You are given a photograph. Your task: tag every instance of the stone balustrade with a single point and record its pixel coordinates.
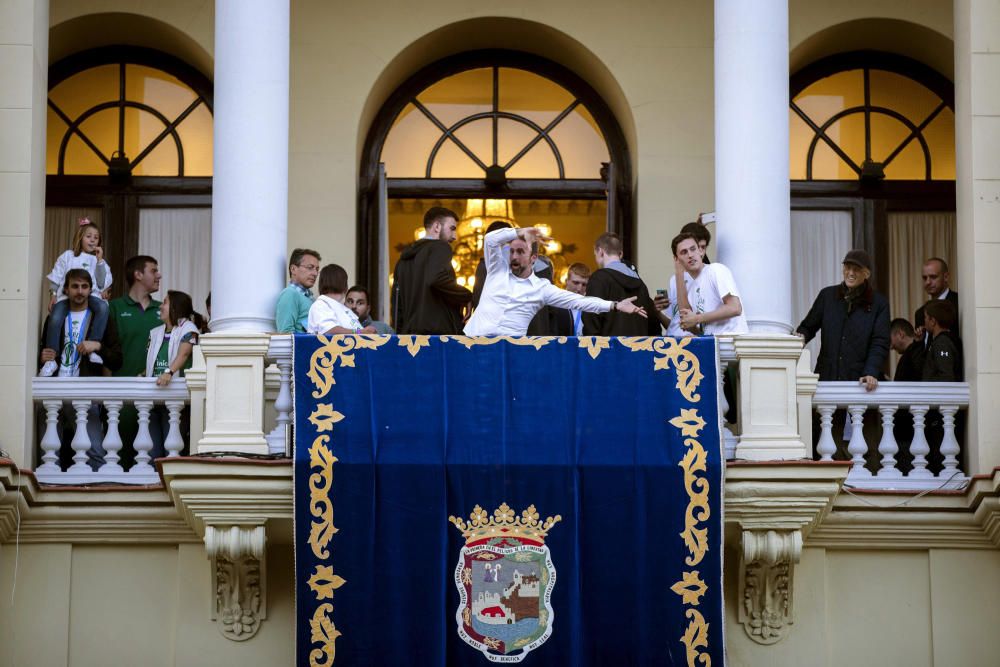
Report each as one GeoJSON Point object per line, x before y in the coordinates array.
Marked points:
{"type": "Point", "coordinates": [79, 399]}
{"type": "Point", "coordinates": [901, 406]}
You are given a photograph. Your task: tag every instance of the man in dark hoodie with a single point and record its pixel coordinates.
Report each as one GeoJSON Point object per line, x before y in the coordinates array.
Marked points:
{"type": "Point", "coordinates": [943, 361]}
{"type": "Point", "coordinates": [426, 299]}
{"type": "Point", "coordinates": [615, 281]}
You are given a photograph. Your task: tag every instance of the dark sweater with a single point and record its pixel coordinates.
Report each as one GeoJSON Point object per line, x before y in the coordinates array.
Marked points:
{"type": "Point", "coordinates": [614, 286]}
{"type": "Point", "coordinates": [425, 297]}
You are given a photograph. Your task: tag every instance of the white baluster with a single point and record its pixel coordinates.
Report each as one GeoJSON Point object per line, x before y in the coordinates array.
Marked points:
{"type": "Point", "coordinates": [112, 439]}
{"type": "Point", "coordinates": [949, 444]}
{"type": "Point", "coordinates": [50, 441]}
{"type": "Point", "coordinates": [174, 442]}
{"type": "Point", "coordinates": [143, 440]}
{"type": "Point", "coordinates": [888, 447]}
{"type": "Point", "coordinates": [857, 447]}
{"type": "Point", "coordinates": [919, 447]}
{"type": "Point", "coordinates": [826, 447]}
{"type": "Point", "coordinates": [277, 439]}
{"type": "Point", "coordinates": [81, 439]}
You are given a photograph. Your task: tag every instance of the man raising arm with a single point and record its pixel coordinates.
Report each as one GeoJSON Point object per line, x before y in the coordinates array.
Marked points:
{"type": "Point", "coordinates": [512, 294]}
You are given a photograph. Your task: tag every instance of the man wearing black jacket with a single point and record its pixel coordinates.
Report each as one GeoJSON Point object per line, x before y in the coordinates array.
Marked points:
{"type": "Point", "coordinates": [616, 281]}
{"type": "Point", "coordinates": [426, 299]}
{"type": "Point", "coordinates": [936, 280]}
{"type": "Point", "coordinates": [943, 361]}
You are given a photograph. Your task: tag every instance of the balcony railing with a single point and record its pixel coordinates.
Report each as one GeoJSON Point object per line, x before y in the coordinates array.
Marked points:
{"type": "Point", "coordinates": [83, 397]}
{"type": "Point", "coordinates": [895, 402]}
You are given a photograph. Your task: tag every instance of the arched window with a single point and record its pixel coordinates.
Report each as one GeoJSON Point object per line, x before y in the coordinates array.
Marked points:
{"type": "Point", "coordinates": [871, 116]}
{"type": "Point", "coordinates": [495, 125]}
{"type": "Point", "coordinates": [122, 111]}
{"type": "Point", "coordinates": [872, 162]}
{"type": "Point", "coordinates": [129, 145]}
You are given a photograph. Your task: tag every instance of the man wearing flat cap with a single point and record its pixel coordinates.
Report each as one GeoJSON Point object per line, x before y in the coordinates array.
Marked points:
{"type": "Point", "coordinates": [854, 320]}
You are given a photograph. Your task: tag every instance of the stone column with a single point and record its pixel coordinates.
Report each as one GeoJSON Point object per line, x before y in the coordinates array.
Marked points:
{"type": "Point", "coordinates": [249, 217]}
{"type": "Point", "coordinates": [977, 176]}
{"type": "Point", "coordinates": [250, 185]}
{"type": "Point", "coordinates": [751, 157]}
{"type": "Point", "coordinates": [24, 61]}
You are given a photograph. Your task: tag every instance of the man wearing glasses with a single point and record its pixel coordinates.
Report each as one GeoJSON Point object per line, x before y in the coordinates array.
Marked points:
{"type": "Point", "coordinates": [292, 312]}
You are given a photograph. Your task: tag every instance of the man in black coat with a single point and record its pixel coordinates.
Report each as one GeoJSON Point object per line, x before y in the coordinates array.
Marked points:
{"type": "Point", "coordinates": [936, 280]}
{"type": "Point", "coordinates": [854, 320]}
{"type": "Point", "coordinates": [616, 281]}
{"type": "Point", "coordinates": [426, 299]}
{"type": "Point", "coordinates": [943, 361]}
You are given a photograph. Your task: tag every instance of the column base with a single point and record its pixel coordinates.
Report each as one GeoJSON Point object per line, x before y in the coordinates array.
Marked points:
{"type": "Point", "coordinates": [771, 449]}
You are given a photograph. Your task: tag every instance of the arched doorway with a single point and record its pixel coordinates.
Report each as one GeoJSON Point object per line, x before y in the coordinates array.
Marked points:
{"type": "Point", "coordinates": [498, 130]}
{"type": "Point", "coordinates": [872, 166]}
{"type": "Point", "coordinates": [130, 146]}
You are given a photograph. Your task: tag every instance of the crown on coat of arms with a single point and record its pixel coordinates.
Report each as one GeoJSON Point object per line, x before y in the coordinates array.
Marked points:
{"type": "Point", "coordinates": [504, 523]}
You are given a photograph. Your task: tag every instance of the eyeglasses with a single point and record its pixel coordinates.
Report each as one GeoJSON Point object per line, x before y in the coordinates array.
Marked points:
{"type": "Point", "coordinates": [308, 267]}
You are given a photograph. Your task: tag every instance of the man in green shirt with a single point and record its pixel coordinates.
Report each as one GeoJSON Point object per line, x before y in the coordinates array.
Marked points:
{"type": "Point", "coordinates": [292, 311]}
{"type": "Point", "coordinates": [137, 313]}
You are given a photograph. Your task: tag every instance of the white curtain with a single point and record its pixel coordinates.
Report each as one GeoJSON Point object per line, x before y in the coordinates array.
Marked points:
{"type": "Point", "coordinates": [820, 239]}
{"type": "Point", "coordinates": [913, 238]}
{"type": "Point", "coordinates": [181, 241]}
{"type": "Point", "coordinates": [60, 226]}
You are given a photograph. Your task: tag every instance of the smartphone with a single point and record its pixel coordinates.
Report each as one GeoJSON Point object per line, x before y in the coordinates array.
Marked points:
{"type": "Point", "coordinates": [661, 292]}
{"type": "Point", "coordinates": [708, 218]}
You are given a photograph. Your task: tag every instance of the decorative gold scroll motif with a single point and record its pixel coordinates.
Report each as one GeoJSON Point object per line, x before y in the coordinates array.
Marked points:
{"type": "Point", "coordinates": [691, 587]}
{"type": "Point", "coordinates": [671, 351]}
{"type": "Point", "coordinates": [414, 343]}
{"type": "Point", "coordinates": [537, 342]}
{"type": "Point", "coordinates": [336, 349]}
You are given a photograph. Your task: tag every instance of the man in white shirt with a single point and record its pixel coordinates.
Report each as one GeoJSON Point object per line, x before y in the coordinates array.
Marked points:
{"type": "Point", "coordinates": [710, 303]}
{"type": "Point", "coordinates": [328, 314]}
{"type": "Point", "coordinates": [512, 293]}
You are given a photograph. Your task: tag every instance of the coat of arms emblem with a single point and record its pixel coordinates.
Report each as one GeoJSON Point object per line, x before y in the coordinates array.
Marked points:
{"type": "Point", "coordinates": [505, 579]}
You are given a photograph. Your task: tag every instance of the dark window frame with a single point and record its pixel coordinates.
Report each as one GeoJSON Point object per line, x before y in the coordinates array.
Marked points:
{"type": "Point", "coordinates": [122, 197]}
{"type": "Point", "coordinates": [492, 185]}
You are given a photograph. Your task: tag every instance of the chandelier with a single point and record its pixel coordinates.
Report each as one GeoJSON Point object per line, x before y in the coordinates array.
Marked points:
{"type": "Point", "coordinates": [467, 249]}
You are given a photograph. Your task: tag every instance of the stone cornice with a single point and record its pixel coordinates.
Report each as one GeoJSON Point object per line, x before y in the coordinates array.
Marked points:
{"type": "Point", "coordinates": [36, 513]}
{"type": "Point", "coordinates": [787, 495]}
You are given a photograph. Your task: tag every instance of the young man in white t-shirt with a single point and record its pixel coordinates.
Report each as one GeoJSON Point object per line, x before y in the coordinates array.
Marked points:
{"type": "Point", "coordinates": [328, 314]}
{"type": "Point", "coordinates": [710, 303]}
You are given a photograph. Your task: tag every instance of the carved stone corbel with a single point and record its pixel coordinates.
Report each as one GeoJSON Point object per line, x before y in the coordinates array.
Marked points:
{"type": "Point", "coordinates": [238, 578]}
{"type": "Point", "coordinates": [766, 577]}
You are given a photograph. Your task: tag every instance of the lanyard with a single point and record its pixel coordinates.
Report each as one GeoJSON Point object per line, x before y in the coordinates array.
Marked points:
{"type": "Point", "coordinates": [70, 354]}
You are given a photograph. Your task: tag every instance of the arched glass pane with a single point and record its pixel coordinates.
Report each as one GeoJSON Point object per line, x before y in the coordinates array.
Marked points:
{"type": "Point", "coordinates": [157, 89]}
{"type": "Point", "coordinates": [532, 96]}
{"type": "Point", "coordinates": [908, 165]}
{"type": "Point", "coordinates": [902, 94]}
{"type": "Point", "coordinates": [455, 97]}
{"type": "Point", "coordinates": [81, 160]}
{"type": "Point", "coordinates": [526, 105]}
{"type": "Point", "coordinates": [539, 162]}
{"type": "Point", "coordinates": [940, 137]}
{"type": "Point", "coordinates": [581, 145]}
{"type": "Point", "coordinates": [196, 138]}
{"type": "Point", "coordinates": [888, 91]}
{"type": "Point", "coordinates": [86, 89]}
{"type": "Point", "coordinates": [169, 96]}
{"type": "Point", "coordinates": [451, 162]}
{"type": "Point", "coordinates": [887, 134]}
{"type": "Point", "coordinates": [141, 128]}
{"type": "Point", "coordinates": [826, 97]}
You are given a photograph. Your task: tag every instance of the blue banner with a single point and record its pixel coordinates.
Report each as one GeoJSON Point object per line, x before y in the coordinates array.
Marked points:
{"type": "Point", "coordinates": [551, 501]}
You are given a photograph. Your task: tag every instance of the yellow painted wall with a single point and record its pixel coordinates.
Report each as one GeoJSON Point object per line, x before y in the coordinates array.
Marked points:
{"type": "Point", "coordinates": [149, 605]}
{"type": "Point", "coordinates": [101, 605]}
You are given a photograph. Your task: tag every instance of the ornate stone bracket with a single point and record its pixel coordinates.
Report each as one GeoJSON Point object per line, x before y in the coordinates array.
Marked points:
{"type": "Point", "coordinates": [238, 579]}
{"type": "Point", "coordinates": [237, 505]}
{"type": "Point", "coordinates": [766, 576]}
{"type": "Point", "coordinates": [774, 506]}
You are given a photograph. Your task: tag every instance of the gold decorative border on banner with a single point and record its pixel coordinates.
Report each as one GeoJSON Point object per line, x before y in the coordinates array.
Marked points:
{"type": "Point", "coordinates": [691, 587]}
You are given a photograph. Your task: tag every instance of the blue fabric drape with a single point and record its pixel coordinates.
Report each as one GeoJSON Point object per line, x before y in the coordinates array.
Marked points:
{"type": "Point", "coordinates": [618, 437]}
